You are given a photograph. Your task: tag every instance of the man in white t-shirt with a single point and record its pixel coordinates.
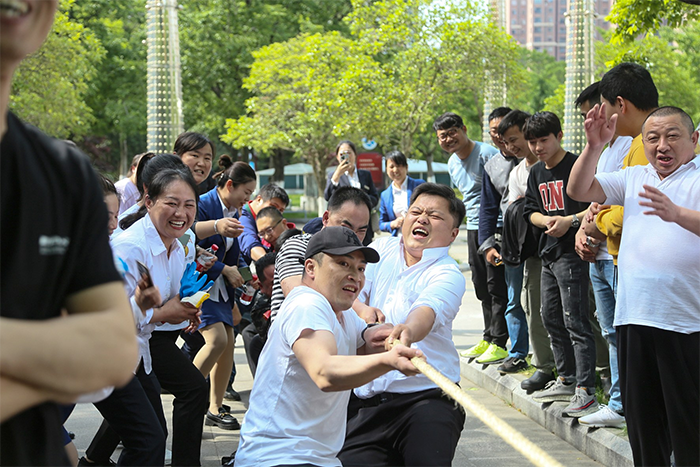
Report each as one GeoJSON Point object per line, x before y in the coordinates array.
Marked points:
{"type": "Point", "coordinates": [298, 404]}
{"type": "Point", "coordinates": [395, 420]}
{"type": "Point", "coordinates": [658, 300]}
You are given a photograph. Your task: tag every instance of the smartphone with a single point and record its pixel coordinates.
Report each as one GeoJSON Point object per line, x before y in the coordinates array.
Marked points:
{"type": "Point", "coordinates": [246, 274]}
{"type": "Point", "coordinates": [344, 156]}
{"type": "Point", "coordinates": [143, 271]}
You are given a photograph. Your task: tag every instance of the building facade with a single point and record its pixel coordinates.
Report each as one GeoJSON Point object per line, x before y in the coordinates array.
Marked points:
{"type": "Point", "coordinates": [541, 24]}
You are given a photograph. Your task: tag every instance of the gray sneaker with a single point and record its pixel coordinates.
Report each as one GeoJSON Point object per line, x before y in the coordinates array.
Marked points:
{"type": "Point", "coordinates": [557, 390]}
{"type": "Point", "coordinates": [581, 404]}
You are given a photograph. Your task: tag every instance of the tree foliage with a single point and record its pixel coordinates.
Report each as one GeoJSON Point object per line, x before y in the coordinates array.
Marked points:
{"type": "Point", "coordinates": [50, 86]}
{"type": "Point", "coordinates": [637, 17]}
{"type": "Point", "coordinates": [404, 63]}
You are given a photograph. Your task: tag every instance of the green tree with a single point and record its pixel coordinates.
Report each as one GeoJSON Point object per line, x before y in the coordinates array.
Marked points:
{"type": "Point", "coordinates": [50, 85]}
{"type": "Point", "coordinates": [544, 76]}
{"type": "Point", "coordinates": [637, 17]}
{"type": "Point", "coordinates": [117, 91]}
{"type": "Point", "coordinates": [217, 40]}
{"type": "Point", "coordinates": [305, 92]}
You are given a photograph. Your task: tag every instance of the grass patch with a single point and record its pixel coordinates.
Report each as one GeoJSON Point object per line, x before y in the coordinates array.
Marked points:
{"type": "Point", "coordinates": [301, 215]}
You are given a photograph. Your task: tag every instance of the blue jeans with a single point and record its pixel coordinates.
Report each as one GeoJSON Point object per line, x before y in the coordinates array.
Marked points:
{"type": "Point", "coordinates": [604, 281]}
{"type": "Point", "coordinates": [515, 316]}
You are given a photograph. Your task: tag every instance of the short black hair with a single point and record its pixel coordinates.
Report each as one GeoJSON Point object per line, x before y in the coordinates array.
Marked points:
{"type": "Point", "coordinates": [348, 193]}
{"type": "Point", "coordinates": [286, 235]}
{"type": "Point", "coordinates": [591, 95]}
{"type": "Point", "coordinates": [263, 262]}
{"type": "Point", "coordinates": [271, 212]}
{"type": "Point", "coordinates": [397, 157]}
{"type": "Point", "coordinates": [499, 112]}
{"type": "Point", "coordinates": [191, 141]}
{"type": "Point", "coordinates": [667, 111]}
{"type": "Point", "coordinates": [271, 191]}
{"type": "Point", "coordinates": [448, 120]}
{"type": "Point", "coordinates": [632, 82]}
{"type": "Point", "coordinates": [513, 118]}
{"type": "Point", "coordinates": [541, 124]}
{"type": "Point", "coordinates": [456, 206]}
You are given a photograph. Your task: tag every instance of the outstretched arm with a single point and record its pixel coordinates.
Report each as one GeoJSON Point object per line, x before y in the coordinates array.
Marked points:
{"type": "Point", "coordinates": [583, 185]}
{"type": "Point", "coordinates": [317, 353]}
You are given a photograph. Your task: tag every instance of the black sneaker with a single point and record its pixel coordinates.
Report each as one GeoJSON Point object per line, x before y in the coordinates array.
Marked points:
{"type": "Point", "coordinates": [223, 420]}
{"type": "Point", "coordinates": [537, 381]}
{"type": "Point", "coordinates": [513, 365]}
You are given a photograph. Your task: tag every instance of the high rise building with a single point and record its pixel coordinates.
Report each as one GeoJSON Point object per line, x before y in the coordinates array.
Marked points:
{"type": "Point", "coordinates": [541, 24]}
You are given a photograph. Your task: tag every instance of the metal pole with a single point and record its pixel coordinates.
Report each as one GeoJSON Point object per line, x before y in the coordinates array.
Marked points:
{"type": "Point", "coordinates": [495, 93]}
{"type": "Point", "coordinates": [165, 120]}
{"type": "Point", "coordinates": [579, 69]}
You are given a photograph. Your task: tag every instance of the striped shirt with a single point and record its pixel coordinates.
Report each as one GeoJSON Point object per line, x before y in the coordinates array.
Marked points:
{"type": "Point", "coordinates": [287, 264]}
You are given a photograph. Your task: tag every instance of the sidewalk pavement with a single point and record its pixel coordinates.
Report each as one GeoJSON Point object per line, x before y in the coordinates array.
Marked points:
{"type": "Point", "coordinates": [477, 446]}
{"type": "Point", "coordinates": [608, 446]}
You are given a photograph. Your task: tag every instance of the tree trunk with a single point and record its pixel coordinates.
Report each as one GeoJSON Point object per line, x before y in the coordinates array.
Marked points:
{"type": "Point", "coordinates": [124, 162]}
{"type": "Point", "coordinates": [278, 159]}
{"type": "Point", "coordinates": [429, 163]}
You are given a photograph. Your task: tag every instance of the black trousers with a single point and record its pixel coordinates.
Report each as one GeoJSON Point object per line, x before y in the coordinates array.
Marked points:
{"type": "Point", "coordinates": [491, 290]}
{"type": "Point", "coordinates": [660, 386]}
{"type": "Point", "coordinates": [416, 429]}
{"type": "Point", "coordinates": [183, 380]}
{"type": "Point", "coordinates": [253, 344]}
{"type": "Point", "coordinates": [134, 414]}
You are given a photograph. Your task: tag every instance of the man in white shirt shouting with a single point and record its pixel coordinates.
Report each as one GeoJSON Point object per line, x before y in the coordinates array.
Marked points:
{"type": "Point", "coordinates": [419, 289]}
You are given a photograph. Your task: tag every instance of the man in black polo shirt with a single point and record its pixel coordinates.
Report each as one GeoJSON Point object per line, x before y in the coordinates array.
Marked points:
{"type": "Point", "coordinates": [55, 255]}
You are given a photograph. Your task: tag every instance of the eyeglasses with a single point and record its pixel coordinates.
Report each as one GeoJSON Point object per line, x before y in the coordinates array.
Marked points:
{"type": "Point", "coordinates": [269, 230]}
{"type": "Point", "coordinates": [451, 133]}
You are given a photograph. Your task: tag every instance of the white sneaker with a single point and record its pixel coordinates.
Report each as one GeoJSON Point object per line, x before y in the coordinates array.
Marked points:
{"type": "Point", "coordinates": [604, 417]}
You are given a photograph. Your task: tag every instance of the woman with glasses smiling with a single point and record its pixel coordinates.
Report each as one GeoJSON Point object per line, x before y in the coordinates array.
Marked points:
{"type": "Point", "coordinates": [220, 313]}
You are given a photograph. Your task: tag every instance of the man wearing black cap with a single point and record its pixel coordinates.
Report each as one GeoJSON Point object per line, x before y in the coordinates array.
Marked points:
{"type": "Point", "coordinates": [299, 399]}
{"type": "Point", "coordinates": [417, 286]}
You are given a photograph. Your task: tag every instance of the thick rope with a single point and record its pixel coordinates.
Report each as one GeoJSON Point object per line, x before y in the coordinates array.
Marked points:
{"type": "Point", "coordinates": [521, 444]}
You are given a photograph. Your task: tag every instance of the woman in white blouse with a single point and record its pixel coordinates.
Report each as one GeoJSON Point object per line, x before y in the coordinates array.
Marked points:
{"type": "Point", "coordinates": [135, 412]}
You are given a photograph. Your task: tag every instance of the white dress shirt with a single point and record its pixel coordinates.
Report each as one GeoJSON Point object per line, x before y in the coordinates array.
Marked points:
{"type": "Point", "coordinates": [142, 242]}
{"type": "Point", "coordinates": [396, 289]}
{"type": "Point", "coordinates": [400, 198]}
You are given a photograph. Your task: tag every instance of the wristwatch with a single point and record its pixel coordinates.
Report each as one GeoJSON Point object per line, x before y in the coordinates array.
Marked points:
{"type": "Point", "coordinates": [592, 243]}
{"type": "Point", "coordinates": [575, 223]}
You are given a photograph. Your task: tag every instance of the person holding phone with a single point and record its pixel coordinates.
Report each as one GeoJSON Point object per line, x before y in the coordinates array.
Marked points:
{"type": "Point", "coordinates": [394, 200]}
{"type": "Point", "coordinates": [347, 174]}
{"type": "Point", "coordinates": [220, 313]}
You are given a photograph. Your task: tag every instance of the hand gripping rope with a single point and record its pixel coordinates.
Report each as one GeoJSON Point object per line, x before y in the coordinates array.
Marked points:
{"type": "Point", "coordinates": [521, 444]}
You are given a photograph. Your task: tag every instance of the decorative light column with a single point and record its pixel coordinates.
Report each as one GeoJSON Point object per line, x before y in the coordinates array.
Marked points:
{"type": "Point", "coordinates": [495, 92]}
{"type": "Point", "coordinates": [165, 120]}
{"type": "Point", "coordinates": [580, 21]}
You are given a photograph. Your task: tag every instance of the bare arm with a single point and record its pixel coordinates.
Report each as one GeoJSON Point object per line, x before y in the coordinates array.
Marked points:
{"type": "Point", "coordinates": [92, 348]}
{"type": "Point", "coordinates": [289, 283]}
{"type": "Point", "coordinates": [257, 252]}
{"type": "Point", "coordinates": [418, 324]}
{"type": "Point", "coordinates": [226, 226]}
{"type": "Point", "coordinates": [369, 314]}
{"type": "Point", "coordinates": [583, 185]}
{"type": "Point", "coordinates": [18, 396]}
{"type": "Point", "coordinates": [317, 353]}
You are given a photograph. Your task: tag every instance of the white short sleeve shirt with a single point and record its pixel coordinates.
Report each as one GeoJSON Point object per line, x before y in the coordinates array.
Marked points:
{"type": "Point", "coordinates": [659, 261]}
{"type": "Point", "coordinates": [290, 420]}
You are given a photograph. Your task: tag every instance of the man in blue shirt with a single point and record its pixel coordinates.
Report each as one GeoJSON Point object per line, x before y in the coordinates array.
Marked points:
{"type": "Point", "coordinates": [466, 167]}
{"type": "Point", "coordinates": [252, 246]}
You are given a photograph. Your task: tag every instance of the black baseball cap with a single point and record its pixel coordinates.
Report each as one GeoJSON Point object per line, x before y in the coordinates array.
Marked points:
{"type": "Point", "coordinates": [339, 241]}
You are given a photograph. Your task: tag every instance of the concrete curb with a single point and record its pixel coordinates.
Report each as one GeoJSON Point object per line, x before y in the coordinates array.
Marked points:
{"type": "Point", "coordinates": [600, 444]}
